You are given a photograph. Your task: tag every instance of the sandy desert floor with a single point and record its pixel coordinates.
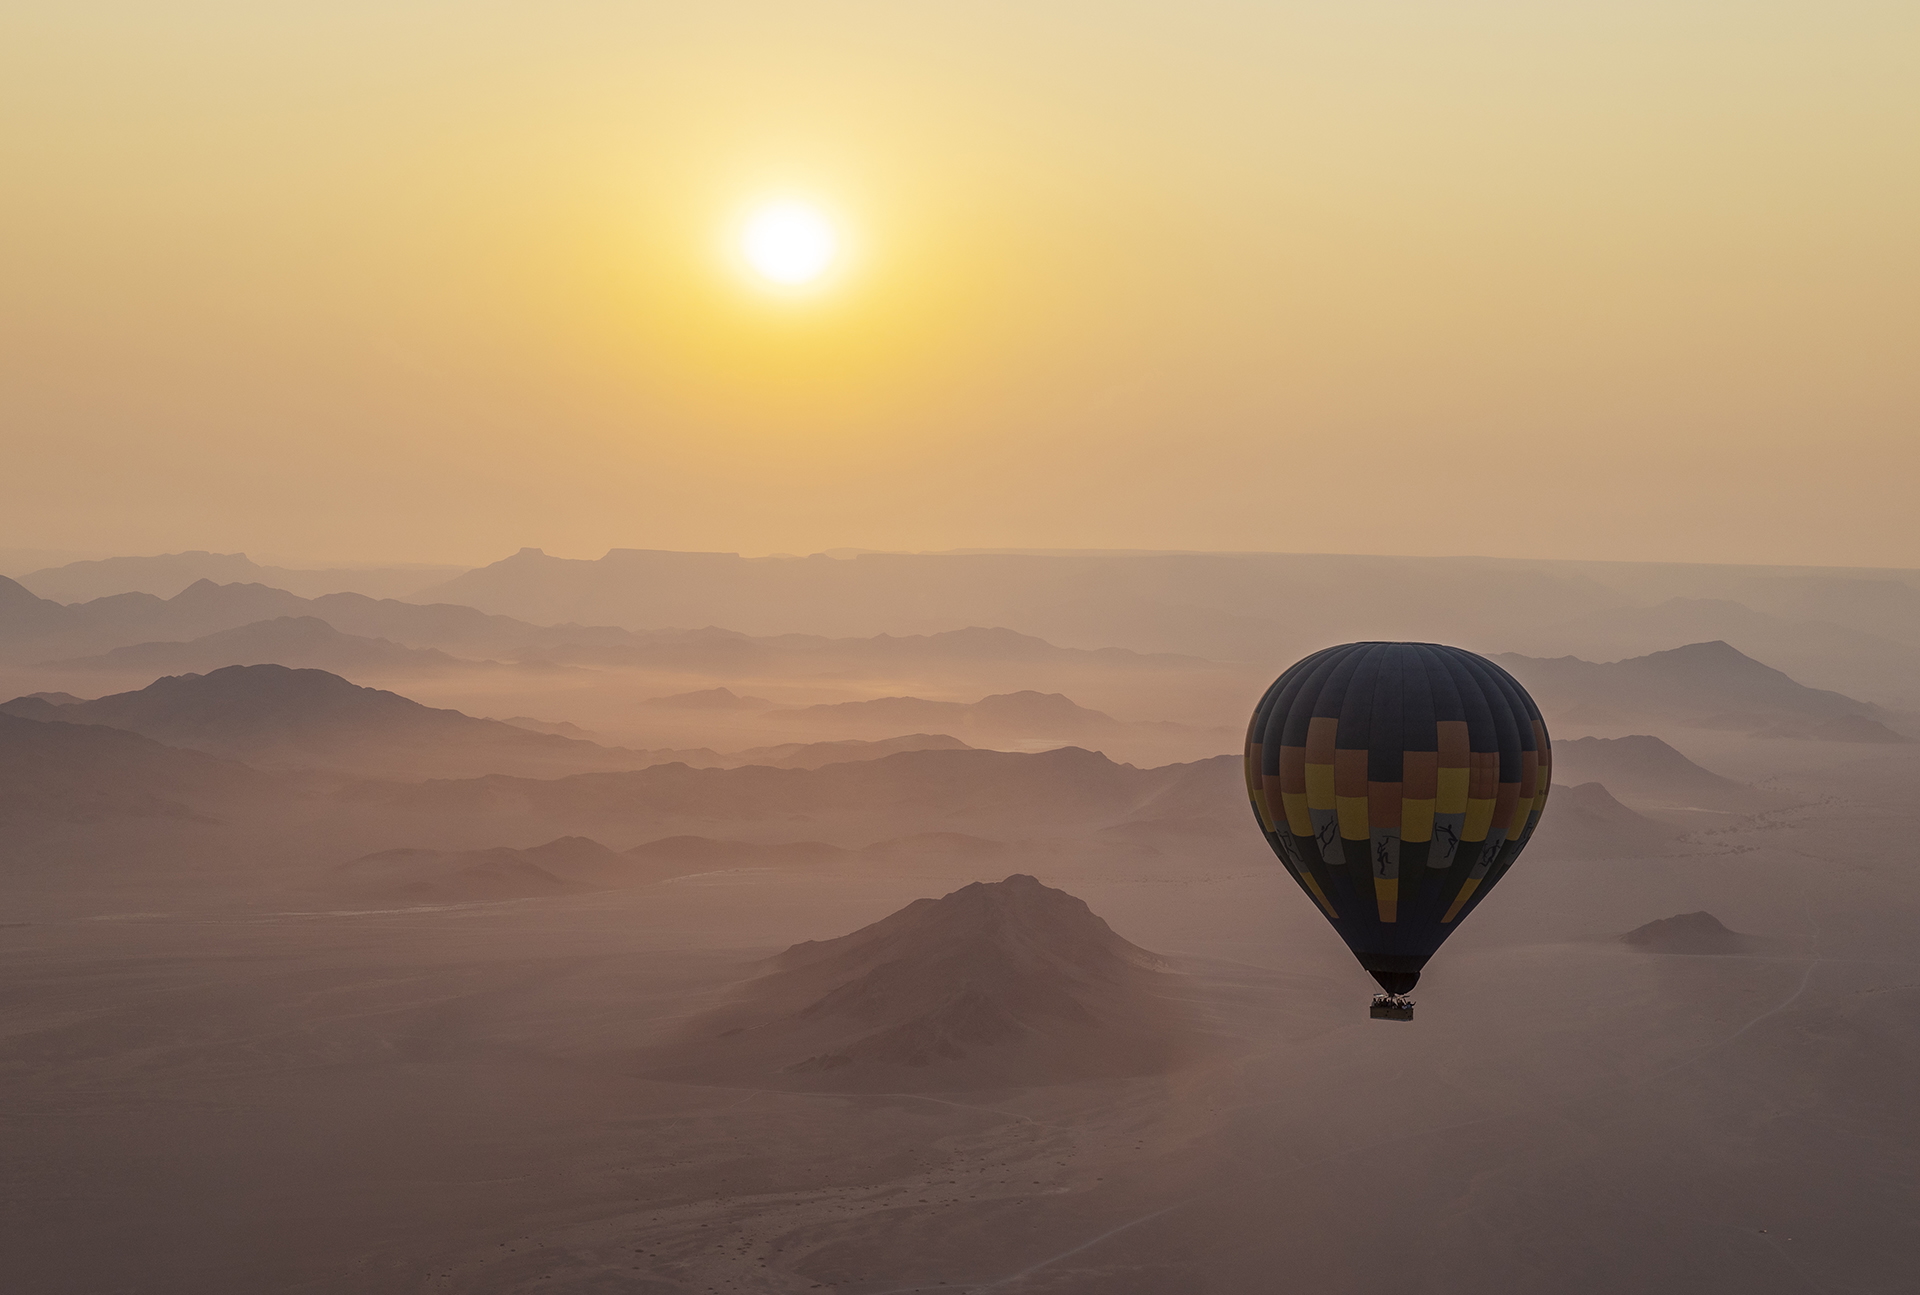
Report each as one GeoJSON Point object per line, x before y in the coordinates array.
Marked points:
{"type": "Point", "coordinates": [222, 1098]}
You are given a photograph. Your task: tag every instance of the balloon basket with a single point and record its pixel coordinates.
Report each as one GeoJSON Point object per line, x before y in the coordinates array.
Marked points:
{"type": "Point", "coordinates": [1391, 1007]}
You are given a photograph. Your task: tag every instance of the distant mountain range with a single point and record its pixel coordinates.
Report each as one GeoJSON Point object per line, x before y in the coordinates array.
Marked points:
{"type": "Point", "coordinates": [1001, 984]}
{"type": "Point", "coordinates": [574, 863]}
{"type": "Point", "coordinates": [713, 648]}
{"type": "Point", "coordinates": [88, 636]}
{"type": "Point", "coordinates": [37, 629]}
{"type": "Point", "coordinates": [707, 699]}
{"type": "Point", "coordinates": [993, 794]}
{"type": "Point", "coordinates": [1239, 607]}
{"type": "Point", "coordinates": [465, 876]}
{"type": "Point", "coordinates": [934, 808]}
{"type": "Point", "coordinates": [287, 719]}
{"type": "Point", "coordinates": [812, 755]}
{"type": "Point", "coordinates": [569, 863]}
{"type": "Point", "coordinates": [169, 573]}
{"type": "Point", "coordinates": [282, 718]}
{"type": "Point", "coordinates": [1020, 716]}
{"type": "Point", "coordinates": [297, 641]}
{"type": "Point", "coordinates": [1853, 631]}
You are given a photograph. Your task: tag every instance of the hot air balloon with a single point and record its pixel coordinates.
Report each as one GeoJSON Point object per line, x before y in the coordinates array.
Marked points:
{"type": "Point", "coordinates": [1397, 782]}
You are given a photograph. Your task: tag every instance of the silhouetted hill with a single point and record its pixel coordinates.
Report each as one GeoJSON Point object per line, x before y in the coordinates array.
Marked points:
{"type": "Point", "coordinates": [944, 853]}
{"type": "Point", "coordinates": [1871, 602]}
{"type": "Point", "coordinates": [996, 984]}
{"type": "Point", "coordinates": [53, 773]}
{"type": "Point", "coordinates": [1818, 652]}
{"type": "Point", "coordinates": [811, 755]}
{"type": "Point", "coordinates": [276, 717]}
{"type": "Point", "coordinates": [891, 713]}
{"type": "Point", "coordinates": [434, 876]}
{"type": "Point", "coordinates": [935, 847]}
{"type": "Point", "coordinates": [1694, 933]}
{"type": "Point", "coordinates": [429, 876]}
{"type": "Point", "coordinates": [25, 617]}
{"type": "Point", "coordinates": [1208, 794]}
{"type": "Point", "coordinates": [1025, 716]}
{"type": "Point", "coordinates": [708, 699]}
{"type": "Point", "coordinates": [1584, 821]}
{"type": "Point", "coordinates": [1145, 602]}
{"type": "Point", "coordinates": [37, 706]}
{"type": "Point", "coordinates": [878, 655]}
{"type": "Point", "coordinates": [1641, 767]}
{"type": "Point", "coordinates": [996, 794]}
{"type": "Point", "coordinates": [51, 699]}
{"type": "Point", "coordinates": [1845, 728]}
{"type": "Point", "coordinates": [1707, 685]}
{"type": "Point", "coordinates": [558, 727]}
{"type": "Point", "coordinates": [786, 755]}
{"type": "Point", "coordinates": [677, 856]}
{"type": "Point", "coordinates": [34, 629]}
{"type": "Point", "coordinates": [302, 642]}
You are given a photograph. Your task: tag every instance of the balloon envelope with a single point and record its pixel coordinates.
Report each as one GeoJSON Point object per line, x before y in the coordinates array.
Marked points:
{"type": "Point", "coordinates": [1397, 782]}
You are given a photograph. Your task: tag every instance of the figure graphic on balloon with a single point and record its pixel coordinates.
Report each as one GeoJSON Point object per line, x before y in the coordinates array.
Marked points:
{"type": "Point", "coordinates": [1397, 783]}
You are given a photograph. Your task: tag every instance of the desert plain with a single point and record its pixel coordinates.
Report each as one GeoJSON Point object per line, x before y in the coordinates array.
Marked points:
{"type": "Point", "coordinates": [219, 1080]}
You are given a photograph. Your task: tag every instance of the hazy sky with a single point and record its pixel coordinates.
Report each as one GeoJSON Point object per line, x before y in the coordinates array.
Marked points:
{"type": "Point", "coordinates": [431, 281]}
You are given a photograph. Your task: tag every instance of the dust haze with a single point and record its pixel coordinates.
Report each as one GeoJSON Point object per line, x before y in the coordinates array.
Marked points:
{"type": "Point", "coordinates": [887, 922]}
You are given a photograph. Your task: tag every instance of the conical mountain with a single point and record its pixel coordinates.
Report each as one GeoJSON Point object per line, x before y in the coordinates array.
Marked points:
{"type": "Point", "coordinates": [998, 984]}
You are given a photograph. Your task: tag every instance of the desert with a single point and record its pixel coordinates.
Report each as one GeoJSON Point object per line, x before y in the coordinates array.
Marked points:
{"type": "Point", "coordinates": [1014, 649]}
{"type": "Point", "coordinates": [315, 987]}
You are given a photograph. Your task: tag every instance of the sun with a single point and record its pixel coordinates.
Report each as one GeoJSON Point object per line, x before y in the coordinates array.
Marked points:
{"type": "Point", "coordinates": [789, 243]}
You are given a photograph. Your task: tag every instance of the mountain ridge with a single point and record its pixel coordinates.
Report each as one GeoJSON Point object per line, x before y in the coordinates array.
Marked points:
{"type": "Point", "coordinates": [273, 716]}
{"type": "Point", "coordinates": [1700, 685]}
{"type": "Point", "coordinates": [993, 794]}
{"type": "Point", "coordinates": [298, 642]}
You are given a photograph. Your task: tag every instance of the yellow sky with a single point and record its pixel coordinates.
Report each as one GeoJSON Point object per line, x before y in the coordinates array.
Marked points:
{"type": "Point", "coordinates": [359, 281]}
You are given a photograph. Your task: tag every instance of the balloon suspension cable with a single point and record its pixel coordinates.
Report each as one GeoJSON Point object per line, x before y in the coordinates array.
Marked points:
{"type": "Point", "coordinates": [1391, 1007]}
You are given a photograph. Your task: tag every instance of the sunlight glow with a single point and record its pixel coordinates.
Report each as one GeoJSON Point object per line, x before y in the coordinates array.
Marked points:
{"type": "Point", "coordinates": [789, 243]}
